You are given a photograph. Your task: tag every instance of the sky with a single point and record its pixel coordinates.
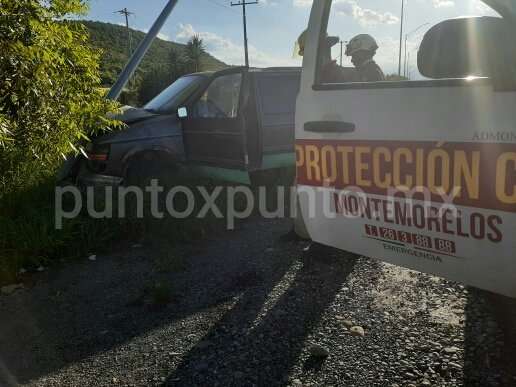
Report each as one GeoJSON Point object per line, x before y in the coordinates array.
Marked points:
{"type": "Point", "coordinates": [274, 25]}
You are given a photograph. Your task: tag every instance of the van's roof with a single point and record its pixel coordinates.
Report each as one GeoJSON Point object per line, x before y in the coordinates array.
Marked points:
{"type": "Point", "coordinates": [292, 70]}
{"type": "Point", "coordinates": [255, 70]}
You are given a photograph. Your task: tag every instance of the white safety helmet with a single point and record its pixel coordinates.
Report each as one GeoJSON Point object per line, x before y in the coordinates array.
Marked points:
{"type": "Point", "coordinates": [361, 42]}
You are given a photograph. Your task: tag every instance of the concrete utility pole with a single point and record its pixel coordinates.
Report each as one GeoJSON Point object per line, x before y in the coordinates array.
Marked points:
{"type": "Point", "coordinates": [243, 4]}
{"type": "Point", "coordinates": [135, 60]}
{"type": "Point", "coordinates": [408, 63]}
{"type": "Point", "coordinates": [127, 13]}
{"type": "Point", "coordinates": [401, 36]}
{"type": "Point", "coordinates": [341, 43]}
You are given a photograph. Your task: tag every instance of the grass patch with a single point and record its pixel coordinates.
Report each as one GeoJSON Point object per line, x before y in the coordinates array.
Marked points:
{"type": "Point", "coordinates": [32, 237]}
{"type": "Point", "coordinates": [170, 261]}
{"type": "Point", "coordinates": [29, 238]}
{"type": "Point", "coordinates": [159, 295]}
{"type": "Point", "coordinates": [155, 296]}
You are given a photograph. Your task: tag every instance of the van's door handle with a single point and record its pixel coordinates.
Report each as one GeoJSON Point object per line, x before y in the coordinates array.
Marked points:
{"type": "Point", "coordinates": [329, 127]}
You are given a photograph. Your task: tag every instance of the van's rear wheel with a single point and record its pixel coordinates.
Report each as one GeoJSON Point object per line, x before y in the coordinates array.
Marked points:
{"type": "Point", "coordinates": [144, 168]}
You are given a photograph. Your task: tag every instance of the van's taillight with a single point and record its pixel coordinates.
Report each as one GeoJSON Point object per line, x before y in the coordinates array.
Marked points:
{"type": "Point", "coordinates": [97, 152]}
{"type": "Point", "coordinates": [97, 157]}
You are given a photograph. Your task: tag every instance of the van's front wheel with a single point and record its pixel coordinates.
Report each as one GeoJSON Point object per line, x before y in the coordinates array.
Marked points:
{"type": "Point", "coordinates": [144, 168]}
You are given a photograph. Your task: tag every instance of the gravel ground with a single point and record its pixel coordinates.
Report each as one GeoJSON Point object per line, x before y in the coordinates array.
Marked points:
{"type": "Point", "coordinates": [250, 311]}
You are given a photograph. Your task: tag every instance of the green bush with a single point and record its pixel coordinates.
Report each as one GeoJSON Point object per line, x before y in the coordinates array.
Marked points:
{"type": "Point", "coordinates": [49, 100]}
{"type": "Point", "coordinates": [28, 237]}
{"type": "Point", "coordinates": [49, 94]}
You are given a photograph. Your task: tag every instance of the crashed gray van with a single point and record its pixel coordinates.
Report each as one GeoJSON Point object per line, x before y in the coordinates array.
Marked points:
{"type": "Point", "coordinates": [225, 125]}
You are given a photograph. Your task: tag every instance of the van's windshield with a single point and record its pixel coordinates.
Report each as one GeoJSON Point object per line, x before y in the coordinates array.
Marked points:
{"type": "Point", "coordinates": [176, 94]}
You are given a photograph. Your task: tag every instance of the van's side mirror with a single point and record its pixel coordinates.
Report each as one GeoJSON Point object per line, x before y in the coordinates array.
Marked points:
{"type": "Point", "coordinates": [182, 113]}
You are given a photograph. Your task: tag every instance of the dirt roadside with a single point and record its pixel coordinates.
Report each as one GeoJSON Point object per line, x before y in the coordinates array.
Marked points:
{"type": "Point", "coordinates": [247, 312]}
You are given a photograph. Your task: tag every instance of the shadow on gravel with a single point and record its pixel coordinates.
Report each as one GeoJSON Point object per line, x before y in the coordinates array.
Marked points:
{"type": "Point", "coordinates": [79, 312]}
{"type": "Point", "coordinates": [84, 309]}
{"type": "Point", "coordinates": [261, 338]}
{"type": "Point", "coordinates": [490, 340]}
{"type": "Point", "coordinates": [79, 318]}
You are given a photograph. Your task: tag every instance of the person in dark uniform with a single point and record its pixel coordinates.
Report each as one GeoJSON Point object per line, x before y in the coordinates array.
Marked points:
{"type": "Point", "coordinates": [362, 48]}
{"type": "Point", "coordinates": [332, 72]}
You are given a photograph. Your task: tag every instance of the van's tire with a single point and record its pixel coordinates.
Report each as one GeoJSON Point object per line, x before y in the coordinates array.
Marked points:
{"type": "Point", "coordinates": [256, 178]}
{"type": "Point", "coordinates": [271, 178]}
{"type": "Point", "coordinates": [151, 165]}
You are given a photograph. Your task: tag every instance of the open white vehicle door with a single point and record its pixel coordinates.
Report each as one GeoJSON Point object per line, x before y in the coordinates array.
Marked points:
{"type": "Point", "coordinates": [421, 174]}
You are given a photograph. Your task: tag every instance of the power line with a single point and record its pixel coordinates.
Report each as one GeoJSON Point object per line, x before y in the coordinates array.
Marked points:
{"type": "Point", "coordinates": [106, 18]}
{"type": "Point", "coordinates": [288, 14]}
{"type": "Point", "coordinates": [256, 20]}
{"type": "Point", "coordinates": [276, 16]}
{"type": "Point", "coordinates": [100, 16]}
{"type": "Point", "coordinates": [272, 27]}
{"type": "Point", "coordinates": [137, 22]}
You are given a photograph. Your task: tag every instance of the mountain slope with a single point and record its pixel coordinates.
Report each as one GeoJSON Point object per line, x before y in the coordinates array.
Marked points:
{"type": "Point", "coordinates": [113, 41]}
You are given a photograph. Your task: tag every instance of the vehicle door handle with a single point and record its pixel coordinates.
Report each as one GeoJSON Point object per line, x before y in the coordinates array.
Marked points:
{"type": "Point", "coordinates": [329, 127]}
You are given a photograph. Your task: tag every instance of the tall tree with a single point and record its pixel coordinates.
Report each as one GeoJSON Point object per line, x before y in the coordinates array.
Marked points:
{"type": "Point", "coordinates": [155, 80]}
{"type": "Point", "coordinates": [49, 78]}
{"type": "Point", "coordinates": [179, 62]}
{"type": "Point", "coordinates": [176, 63]}
{"type": "Point", "coordinates": [196, 54]}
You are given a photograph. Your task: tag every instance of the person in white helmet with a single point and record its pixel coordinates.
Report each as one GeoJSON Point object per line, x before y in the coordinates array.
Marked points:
{"type": "Point", "coordinates": [362, 48]}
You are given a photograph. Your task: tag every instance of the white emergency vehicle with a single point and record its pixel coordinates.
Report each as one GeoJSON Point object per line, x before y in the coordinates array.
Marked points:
{"type": "Point", "coordinates": [421, 174]}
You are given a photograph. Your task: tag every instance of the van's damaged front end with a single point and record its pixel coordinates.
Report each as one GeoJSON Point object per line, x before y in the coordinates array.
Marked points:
{"type": "Point", "coordinates": [106, 157]}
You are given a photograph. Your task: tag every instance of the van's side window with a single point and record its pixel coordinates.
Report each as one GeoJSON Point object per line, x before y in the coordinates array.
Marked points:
{"type": "Point", "coordinates": [278, 94]}
{"type": "Point", "coordinates": [220, 100]}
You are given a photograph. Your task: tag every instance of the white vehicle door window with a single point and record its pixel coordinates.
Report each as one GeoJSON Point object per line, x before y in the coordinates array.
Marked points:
{"type": "Point", "coordinates": [418, 173]}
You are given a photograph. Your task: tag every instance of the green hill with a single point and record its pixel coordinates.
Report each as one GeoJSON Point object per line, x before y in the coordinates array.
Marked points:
{"type": "Point", "coordinates": [112, 39]}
